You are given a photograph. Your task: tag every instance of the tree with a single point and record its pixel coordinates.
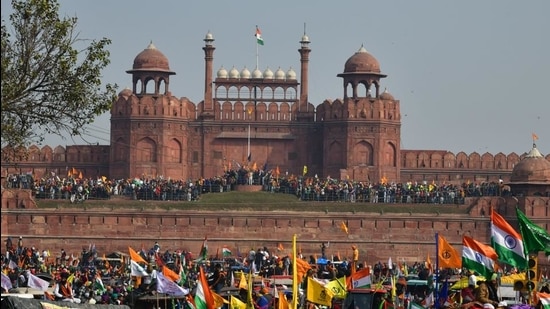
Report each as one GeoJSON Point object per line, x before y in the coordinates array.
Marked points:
{"type": "Point", "coordinates": [49, 86]}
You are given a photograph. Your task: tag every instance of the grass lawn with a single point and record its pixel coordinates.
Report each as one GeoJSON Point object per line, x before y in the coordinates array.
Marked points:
{"type": "Point", "coordinates": [259, 201]}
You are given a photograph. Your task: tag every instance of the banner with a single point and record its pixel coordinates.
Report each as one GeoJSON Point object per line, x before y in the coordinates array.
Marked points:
{"type": "Point", "coordinates": [316, 293]}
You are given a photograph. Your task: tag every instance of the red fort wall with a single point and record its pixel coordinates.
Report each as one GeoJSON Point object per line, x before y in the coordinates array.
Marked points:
{"type": "Point", "coordinates": [408, 237]}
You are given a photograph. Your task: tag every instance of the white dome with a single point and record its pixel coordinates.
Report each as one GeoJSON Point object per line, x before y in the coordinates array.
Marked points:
{"type": "Point", "coordinates": [222, 73]}
{"type": "Point", "coordinates": [305, 38]}
{"type": "Point", "coordinates": [290, 74]}
{"type": "Point", "coordinates": [257, 74]}
{"type": "Point", "coordinates": [209, 37]}
{"type": "Point", "coordinates": [279, 74]}
{"type": "Point", "coordinates": [268, 73]}
{"type": "Point", "coordinates": [245, 73]}
{"type": "Point", "coordinates": [234, 73]}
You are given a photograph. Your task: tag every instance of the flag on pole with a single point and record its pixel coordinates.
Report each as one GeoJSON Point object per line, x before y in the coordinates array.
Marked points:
{"type": "Point", "coordinates": [203, 296]}
{"type": "Point", "coordinates": [544, 299]}
{"type": "Point", "coordinates": [338, 287]}
{"type": "Point", "coordinates": [219, 301]}
{"type": "Point", "coordinates": [535, 136]}
{"type": "Point", "coordinates": [136, 257]}
{"type": "Point", "coordinates": [317, 293]}
{"type": "Point", "coordinates": [479, 257]}
{"type": "Point", "coordinates": [226, 251]}
{"type": "Point", "coordinates": [36, 282]}
{"type": "Point", "coordinates": [535, 238]}
{"type": "Point", "coordinates": [236, 303]}
{"type": "Point", "coordinates": [136, 270]}
{"type": "Point", "coordinates": [283, 302]}
{"type": "Point", "coordinates": [344, 227]}
{"type": "Point", "coordinates": [429, 265]}
{"type": "Point", "coordinates": [167, 286]}
{"type": "Point", "coordinates": [243, 283]}
{"type": "Point", "coordinates": [258, 36]}
{"type": "Point", "coordinates": [359, 279]}
{"type": "Point", "coordinates": [203, 255]}
{"type": "Point", "coordinates": [170, 274]}
{"type": "Point", "coordinates": [447, 254]}
{"type": "Point", "coordinates": [507, 243]}
{"type": "Point", "coordinates": [6, 282]}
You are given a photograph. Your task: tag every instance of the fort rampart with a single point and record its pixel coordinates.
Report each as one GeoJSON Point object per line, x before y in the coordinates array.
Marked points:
{"type": "Point", "coordinates": [407, 236]}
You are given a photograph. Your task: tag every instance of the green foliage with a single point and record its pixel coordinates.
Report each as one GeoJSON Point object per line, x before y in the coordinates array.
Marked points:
{"type": "Point", "coordinates": [48, 85]}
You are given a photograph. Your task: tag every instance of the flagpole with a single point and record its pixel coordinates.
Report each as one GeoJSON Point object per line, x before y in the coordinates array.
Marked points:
{"type": "Point", "coordinates": [295, 282]}
{"type": "Point", "coordinates": [436, 290]}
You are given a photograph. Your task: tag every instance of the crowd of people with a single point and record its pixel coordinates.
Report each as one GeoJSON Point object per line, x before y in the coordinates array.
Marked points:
{"type": "Point", "coordinates": [306, 188]}
{"type": "Point", "coordinates": [95, 278]}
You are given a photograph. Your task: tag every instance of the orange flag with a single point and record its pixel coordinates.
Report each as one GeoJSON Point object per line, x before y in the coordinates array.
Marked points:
{"type": "Point", "coordinates": [429, 264]}
{"type": "Point", "coordinates": [136, 257]}
{"type": "Point", "coordinates": [280, 247]}
{"type": "Point", "coordinates": [170, 274]}
{"type": "Point", "coordinates": [302, 267]}
{"type": "Point", "coordinates": [344, 227]}
{"type": "Point", "coordinates": [283, 302]}
{"type": "Point", "coordinates": [535, 137]}
{"type": "Point", "coordinates": [448, 256]}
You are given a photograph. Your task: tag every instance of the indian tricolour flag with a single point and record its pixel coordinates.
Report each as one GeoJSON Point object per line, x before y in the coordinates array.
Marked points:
{"type": "Point", "coordinates": [478, 256]}
{"type": "Point", "coordinates": [258, 36]}
{"type": "Point", "coordinates": [507, 243]}
{"type": "Point", "coordinates": [226, 251]}
{"type": "Point", "coordinates": [203, 296]}
{"type": "Point", "coordinates": [544, 299]}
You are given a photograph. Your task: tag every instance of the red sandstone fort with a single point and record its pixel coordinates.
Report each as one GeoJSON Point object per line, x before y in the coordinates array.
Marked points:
{"type": "Point", "coordinates": [265, 115]}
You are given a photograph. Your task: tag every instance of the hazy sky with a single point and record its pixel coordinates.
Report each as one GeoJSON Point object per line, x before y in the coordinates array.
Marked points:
{"type": "Point", "coordinates": [470, 75]}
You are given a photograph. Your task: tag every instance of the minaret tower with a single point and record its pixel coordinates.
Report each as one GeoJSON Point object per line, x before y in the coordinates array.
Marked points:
{"type": "Point", "coordinates": [305, 111]}
{"type": "Point", "coordinates": [208, 112]}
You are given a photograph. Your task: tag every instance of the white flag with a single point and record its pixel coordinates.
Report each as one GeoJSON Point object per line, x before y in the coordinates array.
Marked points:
{"type": "Point", "coordinates": [6, 282]}
{"type": "Point", "coordinates": [12, 265]}
{"type": "Point", "coordinates": [37, 283]}
{"type": "Point", "coordinates": [136, 270]}
{"type": "Point", "coordinates": [167, 286]}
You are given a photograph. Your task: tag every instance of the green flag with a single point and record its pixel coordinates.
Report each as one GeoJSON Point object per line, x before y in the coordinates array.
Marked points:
{"type": "Point", "coordinates": [535, 238]}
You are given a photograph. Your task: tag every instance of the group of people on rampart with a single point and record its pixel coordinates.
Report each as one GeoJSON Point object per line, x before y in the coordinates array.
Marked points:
{"type": "Point", "coordinates": [307, 188]}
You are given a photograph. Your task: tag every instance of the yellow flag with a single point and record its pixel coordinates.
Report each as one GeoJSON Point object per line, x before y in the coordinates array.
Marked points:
{"type": "Point", "coordinates": [448, 256]}
{"type": "Point", "coordinates": [219, 300]}
{"type": "Point", "coordinates": [316, 293]}
{"type": "Point", "coordinates": [305, 169]}
{"type": "Point", "coordinates": [250, 300]}
{"type": "Point", "coordinates": [243, 284]}
{"type": "Point", "coordinates": [338, 287]}
{"type": "Point", "coordinates": [236, 303]}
